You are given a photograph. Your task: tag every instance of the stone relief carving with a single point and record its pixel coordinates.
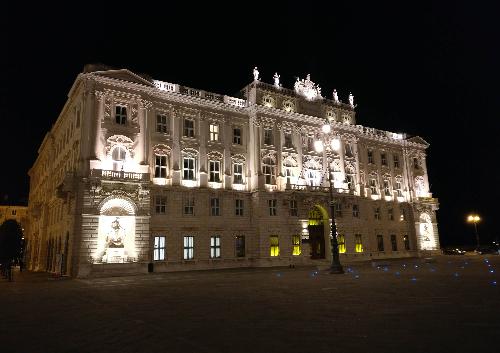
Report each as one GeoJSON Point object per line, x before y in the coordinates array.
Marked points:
{"type": "Point", "coordinates": [161, 150]}
{"type": "Point", "coordinates": [119, 140]}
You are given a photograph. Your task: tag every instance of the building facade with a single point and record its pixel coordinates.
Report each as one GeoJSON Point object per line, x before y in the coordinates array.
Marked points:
{"type": "Point", "coordinates": [138, 174]}
{"type": "Point", "coordinates": [17, 213]}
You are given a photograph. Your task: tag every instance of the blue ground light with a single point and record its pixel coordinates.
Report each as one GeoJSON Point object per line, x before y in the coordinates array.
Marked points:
{"type": "Point", "coordinates": [493, 283]}
{"type": "Point", "coordinates": [397, 273]}
{"type": "Point", "coordinates": [413, 279]}
{"type": "Point", "coordinates": [456, 274]}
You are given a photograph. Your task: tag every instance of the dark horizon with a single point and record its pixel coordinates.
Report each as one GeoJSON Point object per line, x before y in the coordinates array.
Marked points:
{"type": "Point", "coordinates": [429, 71]}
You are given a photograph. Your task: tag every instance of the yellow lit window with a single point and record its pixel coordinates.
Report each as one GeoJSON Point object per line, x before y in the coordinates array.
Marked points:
{"type": "Point", "coordinates": [296, 250]}
{"type": "Point", "coordinates": [359, 243]}
{"type": "Point", "coordinates": [274, 245]}
{"type": "Point", "coordinates": [341, 242]}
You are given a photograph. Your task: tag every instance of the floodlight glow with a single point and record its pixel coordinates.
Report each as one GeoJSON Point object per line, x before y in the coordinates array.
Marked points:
{"type": "Point", "coordinates": [326, 128]}
{"type": "Point", "coordinates": [318, 146]}
{"type": "Point", "coordinates": [335, 144]}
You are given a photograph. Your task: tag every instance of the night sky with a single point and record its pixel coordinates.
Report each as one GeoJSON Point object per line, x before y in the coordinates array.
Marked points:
{"type": "Point", "coordinates": [425, 69]}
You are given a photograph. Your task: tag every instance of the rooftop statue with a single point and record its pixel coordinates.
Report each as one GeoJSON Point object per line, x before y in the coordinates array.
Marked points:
{"type": "Point", "coordinates": [307, 88]}
{"type": "Point", "coordinates": [335, 96]}
{"type": "Point", "coordinates": [276, 80]}
{"type": "Point", "coordinates": [255, 74]}
{"type": "Point", "coordinates": [351, 100]}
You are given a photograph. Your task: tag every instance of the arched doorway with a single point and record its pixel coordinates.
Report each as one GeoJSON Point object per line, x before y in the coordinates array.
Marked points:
{"type": "Point", "coordinates": [316, 229]}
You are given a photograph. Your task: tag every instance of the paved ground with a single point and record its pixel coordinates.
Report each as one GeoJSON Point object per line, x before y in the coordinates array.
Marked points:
{"type": "Point", "coordinates": [452, 305]}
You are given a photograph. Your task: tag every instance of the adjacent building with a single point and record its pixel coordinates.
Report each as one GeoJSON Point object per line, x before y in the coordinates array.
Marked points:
{"type": "Point", "coordinates": [15, 212]}
{"type": "Point", "coordinates": [138, 174]}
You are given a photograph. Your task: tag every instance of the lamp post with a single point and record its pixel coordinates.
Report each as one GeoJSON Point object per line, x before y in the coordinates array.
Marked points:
{"type": "Point", "coordinates": [327, 143]}
{"type": "Point", "coordinates": [474, 218]}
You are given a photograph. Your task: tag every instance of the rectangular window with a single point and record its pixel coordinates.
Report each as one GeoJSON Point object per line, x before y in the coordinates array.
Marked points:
{"type": "Point", "coordinates": [215, 246]}
{"type": "Point", "coordinates": [383, 159]}
{"type": "Point", "coordinates": [160, 166]}
{"type": "Point", "coordinates": [395, 159]}
{"type": "Point", "coordinates": [214, 171]}
{"type": "Point", "coordinates": [387, 189]}
{"type": "Point", "coordinates": [293, 208]}
{"type": "Point", "coordinates": [402, 214]}
{"type": "Point", "coordinates": [415, 163]}
{"type": "Point", "coordinates": [274, 245]}
{"type": "Point", "coordinates": [239, 207]}
{"type": "Point", "coordinates": [350, 181]}
{"type": "Point", "coordinates": [214, 206]}
{"type": "Point", "coordinates": [237, 136]}
{"type": "Point", "coordinates": [355, 211]}
{"type": "Point", "coordinates": [238, 173]}
{"type": "Point", "coordinates": [161, 123]}
{"type": "Point", "coordinates": [310, 143]}
{"type": "Point", "coordinates": [239, 245]}
{"type": "Point", "coordinates": [380, 242]}
{"type": "Point", "coordinates": [160, 204]}
{"type": "Point", "coordinates": [288, 140]}
{"type": "Point", "coordinates": [296, 249]}
{"type": "Point", "coordinates": [214, 132]}
{"type": "Point", "coordinates": [121, 114]}
{"type": "Point", "coordinates": [358, 247]}
{"type": "Point", "coordinates": [370, 156]}
{"type": "Point", "coordinates": [406, 241]}
{"type": "Point", "coordinates": [373, 186]}
{"type": "Point", "coordinates": [399, 189]}
{"type": "Point", "coordinates": [159, 249]}
{"type": "Point", "coordinates": [390, 214]}
{"type": "Point", "coordinates": [341, 243]}
{"type": "Point", "coordinates": [188, 128]}
{"type": "Point", "coordinates": [268, 136]}
{"type": "Point", "coordinates": [377, 212]}
{"type": "Point", "coordinates": [348, 150]}
{"type": "Point", "coordinates": [188, 168]}
{"type": "Point", "coordinates": [188, 247]}
{"type": "Point", "coordinates": [337, 206]}
{"type": "Point", "coordinates": [394, 243]}
{"type": "Point", "coordinates": [272, 207]}
{"type": "Point", "coordinates": [189, 205]}
{"type": "Point", "coordinates": [269, 171]}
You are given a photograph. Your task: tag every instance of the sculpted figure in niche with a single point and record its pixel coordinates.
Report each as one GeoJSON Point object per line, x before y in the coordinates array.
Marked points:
{"type": "Point", "coordinates": [115, 237]}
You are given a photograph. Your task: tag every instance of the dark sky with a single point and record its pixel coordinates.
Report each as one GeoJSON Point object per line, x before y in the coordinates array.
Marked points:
{"type": "Point", "coordinates": [425, 69]}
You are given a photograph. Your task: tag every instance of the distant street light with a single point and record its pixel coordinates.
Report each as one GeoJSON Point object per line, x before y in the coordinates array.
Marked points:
{"type": "Point", "coordinates": [474, 218]}
{"type": "Point", "coordinates": [331, 143]}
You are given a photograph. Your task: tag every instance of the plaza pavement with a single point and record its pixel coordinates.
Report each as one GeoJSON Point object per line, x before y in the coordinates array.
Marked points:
{"type": "Point", "coordinates": [449, 305]}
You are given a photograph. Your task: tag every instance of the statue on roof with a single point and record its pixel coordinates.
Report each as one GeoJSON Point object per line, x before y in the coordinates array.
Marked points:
{"type": "Point", "coordinates": [351, 100]}
{"type": "Point", "coordinates": [307, 88]}
{"type": "Point", "coordinates": [255, 74]}
{"type": "Point", "coordinates": [335, 96]}
{"type": "Point", "coordinates": [277, 80]}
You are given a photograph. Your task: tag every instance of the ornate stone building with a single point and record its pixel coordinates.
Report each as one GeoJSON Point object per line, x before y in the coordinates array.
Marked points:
{"type": "Point", "coordinates": [139, 175]}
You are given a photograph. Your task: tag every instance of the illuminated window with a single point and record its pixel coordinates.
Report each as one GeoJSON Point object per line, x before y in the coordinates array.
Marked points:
{"type": "Point", "coordinates": [355, 210]}
{"type": "Point", "coordinates": [387, 189]}
{"type": "Point", "coordinates": [416, 164]}
{"type": "Point", "coordinates": [214, 171]}
{"type": "Point", "coordinates": [189, 205]}
{"type": "Point", "coordinates": [188, 128]}
{"type": "Point", "coordinates": [118, 157]}
{"type": "Point", "coordinates": [239, 207]}
{"type": "Point", "coordinates": [395, 159]}
{"type": "Point", "coordinates": [288, 140]}
{"type": "Point", "coordinates": [402, 214]}
{"type": "Point", "coordinates": [268, 136]}
{"type": "Point", "coordinates": [14, 212]}
{"type": "Point", "coordinates": [380, 242]}
{"type": "Point", "coordinates": [214, 132]}
{"type": "Point", "coordinates": [312, 177]}
{"type": "Point", "coordinates": [341, 243]}
{"type": "Point", "coordinates": [406, 241]}
{"type": "Point", "coordinates": [160, 204]}
{"type": "Point", "coordinates": [159, 249]}
{"type": "Point", "coordinates": [272, 207]}
{"type": "Point", "coordinates": [215, 246]}
{"type": "Point", "coordinates": [239, 245]}
{"type": "Point", "coordinates": [373, 186]}
{"type": "Point", "coordinates": [390, 213]}
{"type": "Point", "coordinates": [237, 136]}
{"type": "Point", "coordinates": [188, 247]}
{"type": "Point", "coordinates": [358, 241]}
{"type": "Point", "coordinates": [383, 159]}
{"type": "Point", "coordinates": [274, 245]}
{"type": "Point", "coordinates": [394, 243]}
{"type": "Point", "coordinates": [399, 188]}
{"type": "Point", "coordinates": [370, 156]}
{"type": "Point", "coordinates": [188, 168]}
{"type": "Point", "coordinates": [121, 114]}
{"type": "Point", "coordinates": [160, 166]}
{"type": "Point", "coordinates": [214, 206]}
{"type": "Point", "coordinates": [238, 173]}
{"type": "Point", "coordinates": [161, 123]}
{"type": "Point", "coordinates": [269, 170]}
{"type": "Point", "coordinates": [376, 212]}
{"type": "Point", "coordinates": [293, 208]}
{"type": "Point", "coordinates": [296, 250]}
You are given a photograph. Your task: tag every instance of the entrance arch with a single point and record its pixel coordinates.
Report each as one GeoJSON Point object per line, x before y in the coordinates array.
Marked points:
{"type": "Point", "coordinates": [317, 220]}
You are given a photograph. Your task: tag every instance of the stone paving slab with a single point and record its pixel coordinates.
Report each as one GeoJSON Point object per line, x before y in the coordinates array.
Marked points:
{"type": "Point", "coordinates": [449, 305]}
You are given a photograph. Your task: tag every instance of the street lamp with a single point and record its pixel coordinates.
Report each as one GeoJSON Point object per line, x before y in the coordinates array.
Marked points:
{"type": "Point", "coordinates": [331, 143]}
{"type": "Point", "coordinates": [474, 218]}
